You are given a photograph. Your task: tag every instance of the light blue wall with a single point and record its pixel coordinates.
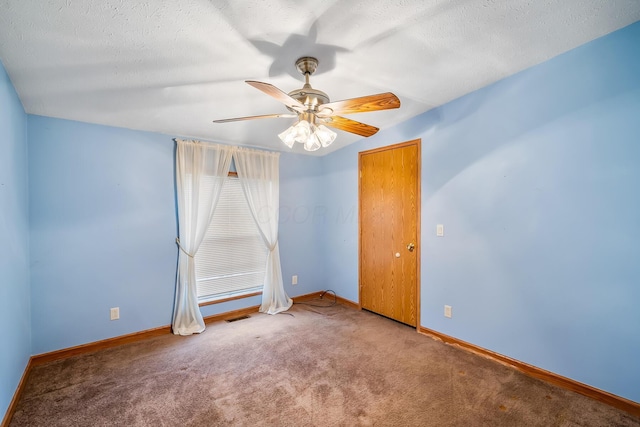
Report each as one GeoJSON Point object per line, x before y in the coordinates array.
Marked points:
{"type": "Point", "coordinates": [15, 345]}
{"type": "Point", "coordinates": [302, 218]}
{"type": "Point", "coordinates": [537, 184]}
{"type": "Point", "coordinates": [103, 225]}
{"type": "Point", "coordinates": [340, 237]}
{"type": "Point", "coordinates": [535, 179]}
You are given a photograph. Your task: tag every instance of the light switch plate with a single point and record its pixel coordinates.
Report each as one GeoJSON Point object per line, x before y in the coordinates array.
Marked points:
{"type": "Point", "coordinates": [440, 230]}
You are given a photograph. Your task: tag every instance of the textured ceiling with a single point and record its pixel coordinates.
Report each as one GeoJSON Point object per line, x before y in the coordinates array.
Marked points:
{"type": "Point", "coordinates": [174, 66]}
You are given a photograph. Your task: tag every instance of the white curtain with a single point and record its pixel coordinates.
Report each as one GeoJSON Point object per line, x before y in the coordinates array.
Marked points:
{"type": "Point", "coordinates": [258, 172]}
{"type": "Point", "coordinates": [201, 171]}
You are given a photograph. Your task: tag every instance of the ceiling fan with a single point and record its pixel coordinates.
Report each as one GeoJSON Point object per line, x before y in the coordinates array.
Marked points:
{"type": "Point", "coordinates": [314, 111]}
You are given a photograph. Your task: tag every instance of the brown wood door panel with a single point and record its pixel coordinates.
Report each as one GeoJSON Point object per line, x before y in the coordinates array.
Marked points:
{"type": "Point", "coordinates": [389, 221]}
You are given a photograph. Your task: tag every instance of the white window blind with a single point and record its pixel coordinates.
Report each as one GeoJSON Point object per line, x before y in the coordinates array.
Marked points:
{"type": "Point", "coordinates": [232, 257]}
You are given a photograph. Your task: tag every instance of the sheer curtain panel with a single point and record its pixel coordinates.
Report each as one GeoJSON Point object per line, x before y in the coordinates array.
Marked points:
{"type": "Point", "coordinates": [201, 171]}
{"type": "Point", "coordinates": [258, 172]}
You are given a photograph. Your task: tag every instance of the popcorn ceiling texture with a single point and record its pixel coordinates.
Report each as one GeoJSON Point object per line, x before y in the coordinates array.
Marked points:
{"type": "Point", "coordinates": [173, 67]}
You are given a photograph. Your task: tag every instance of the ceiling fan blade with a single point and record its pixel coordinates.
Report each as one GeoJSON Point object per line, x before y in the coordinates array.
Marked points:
{"type": "Point", "coordinates": [273, 91]}
{"type": "Point", "coordinates": [364, 104]}
{"type": "Point", "coordinates": [265, 116]}
{"type": "Point", "coordinates": [349, 125]}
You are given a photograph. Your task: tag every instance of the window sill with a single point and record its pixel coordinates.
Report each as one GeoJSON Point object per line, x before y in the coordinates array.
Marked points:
{"type": "Point", "coordinates": [229, 298]}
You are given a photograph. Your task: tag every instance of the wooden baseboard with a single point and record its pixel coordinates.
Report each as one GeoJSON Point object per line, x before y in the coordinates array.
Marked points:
{"type": "Point", "coordinates": [533, 371]}
{"type": "Point", "coordinates": [16, 396]}
{"type": "Point", "coordinates": [347, 302]}
{"type": "Point", "coordinates": [162, 330]}
{"type": "Point", "coordinates": [99, 345]}
{"type": "Point", "coordinates": [306, 297]}
{"type": "Point", "coordinates": [327, 296]}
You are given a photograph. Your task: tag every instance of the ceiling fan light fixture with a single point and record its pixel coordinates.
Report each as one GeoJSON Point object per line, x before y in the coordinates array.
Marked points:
{"type": "Point", "coordinates": [303, 131]}
{"type": "Point", "coordinates": [312, 137]}
{"type": "Point", "coordinates": [312, 143]}
{"type": "Point", "coordinates": [288, 136]}
{"type": "Point", "coordinates": [299, 132]}
{"type": "Point", "coordinates": [325, 135]}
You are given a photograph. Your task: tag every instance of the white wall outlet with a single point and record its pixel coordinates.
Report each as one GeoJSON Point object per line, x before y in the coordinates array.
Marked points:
{"type": "Point", "coordinates": [440, 230]}
{"type": "Point", "coordinates": [447, 311]}
{"type": "Point", "coordinates": [115, 313]}
{"type": "Point", "coordinates": [294, 279]}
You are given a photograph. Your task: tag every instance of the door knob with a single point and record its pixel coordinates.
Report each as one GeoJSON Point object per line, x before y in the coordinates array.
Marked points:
{"type": "Point", "coordinates": [411, 246]}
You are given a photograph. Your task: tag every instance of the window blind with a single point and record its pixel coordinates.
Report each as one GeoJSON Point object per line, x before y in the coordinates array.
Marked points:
{"type": "Point", "coordinates": [232, 257]}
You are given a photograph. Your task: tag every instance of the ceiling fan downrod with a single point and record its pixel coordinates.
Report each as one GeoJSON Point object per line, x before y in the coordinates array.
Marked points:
{"type": "Point", "coordinates": [310, 97]}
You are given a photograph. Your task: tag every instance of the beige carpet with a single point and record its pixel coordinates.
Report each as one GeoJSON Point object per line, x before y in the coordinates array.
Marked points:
{"type": "Point", "coordinates": [316, 367]}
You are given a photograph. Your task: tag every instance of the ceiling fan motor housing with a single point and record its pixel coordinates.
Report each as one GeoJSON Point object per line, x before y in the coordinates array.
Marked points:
{"type": "Point", "coordinates": [310, 97]}
{"type": "Point", "coordinates": [307, 95]}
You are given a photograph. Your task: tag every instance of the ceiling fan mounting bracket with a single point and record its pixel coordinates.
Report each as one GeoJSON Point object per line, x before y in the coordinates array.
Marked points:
{"type": "Point", "coordinates": [307, 65]}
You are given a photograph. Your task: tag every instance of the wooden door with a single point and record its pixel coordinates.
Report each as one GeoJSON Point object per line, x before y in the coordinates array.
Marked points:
{"type": "Point", "coordinates": [389, 224]}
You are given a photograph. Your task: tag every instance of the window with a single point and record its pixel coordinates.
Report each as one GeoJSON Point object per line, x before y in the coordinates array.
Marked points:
{"type": "Point", "coordinates": [232, 258]}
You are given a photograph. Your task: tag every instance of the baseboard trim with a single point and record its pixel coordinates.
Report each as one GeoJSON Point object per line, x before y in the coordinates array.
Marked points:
{"type": "Point", "coordinates": [162, 330]}
{"type": "Point", "coordinates": [11, 409]}
{"type": "Point", "coordinates": [99, 345]}
{"type": "Point", "coordinates": [533, 371]}
{"type": "Point", "coordinates": [348, 303]}
{"type": "Point", "coordinates": [327, 296]}
{"type": "Point", "coordinates": [306, 297]}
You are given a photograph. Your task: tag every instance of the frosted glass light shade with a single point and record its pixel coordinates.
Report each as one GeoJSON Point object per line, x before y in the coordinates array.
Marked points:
{"type": "Point", "coordinates": [312, 143]}
{"type": "Point", "coordinates": [303, 131]}
{"type": "Point", "coordinates": [288, 136]}
{"type": "Point", "coordinates": [311, 136]}
{"type": "Point", "coordinates": [325, 135]}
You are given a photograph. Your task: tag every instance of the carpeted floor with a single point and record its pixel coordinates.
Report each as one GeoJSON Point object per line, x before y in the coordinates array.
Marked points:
{"type": "Point", "coordinates": [315, 367]}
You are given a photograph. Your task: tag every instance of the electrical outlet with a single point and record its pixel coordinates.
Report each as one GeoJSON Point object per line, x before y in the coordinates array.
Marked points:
{"type": "Point", "coordinates": [115, 313]}
{"type": "Point", "coordinates": [447, 311]}
{"type": "Point", "coordinates": [294, 280]}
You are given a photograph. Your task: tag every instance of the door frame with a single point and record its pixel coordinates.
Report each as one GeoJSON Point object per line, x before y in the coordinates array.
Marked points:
{"type": "Point", "coordinates": [418, 144]}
